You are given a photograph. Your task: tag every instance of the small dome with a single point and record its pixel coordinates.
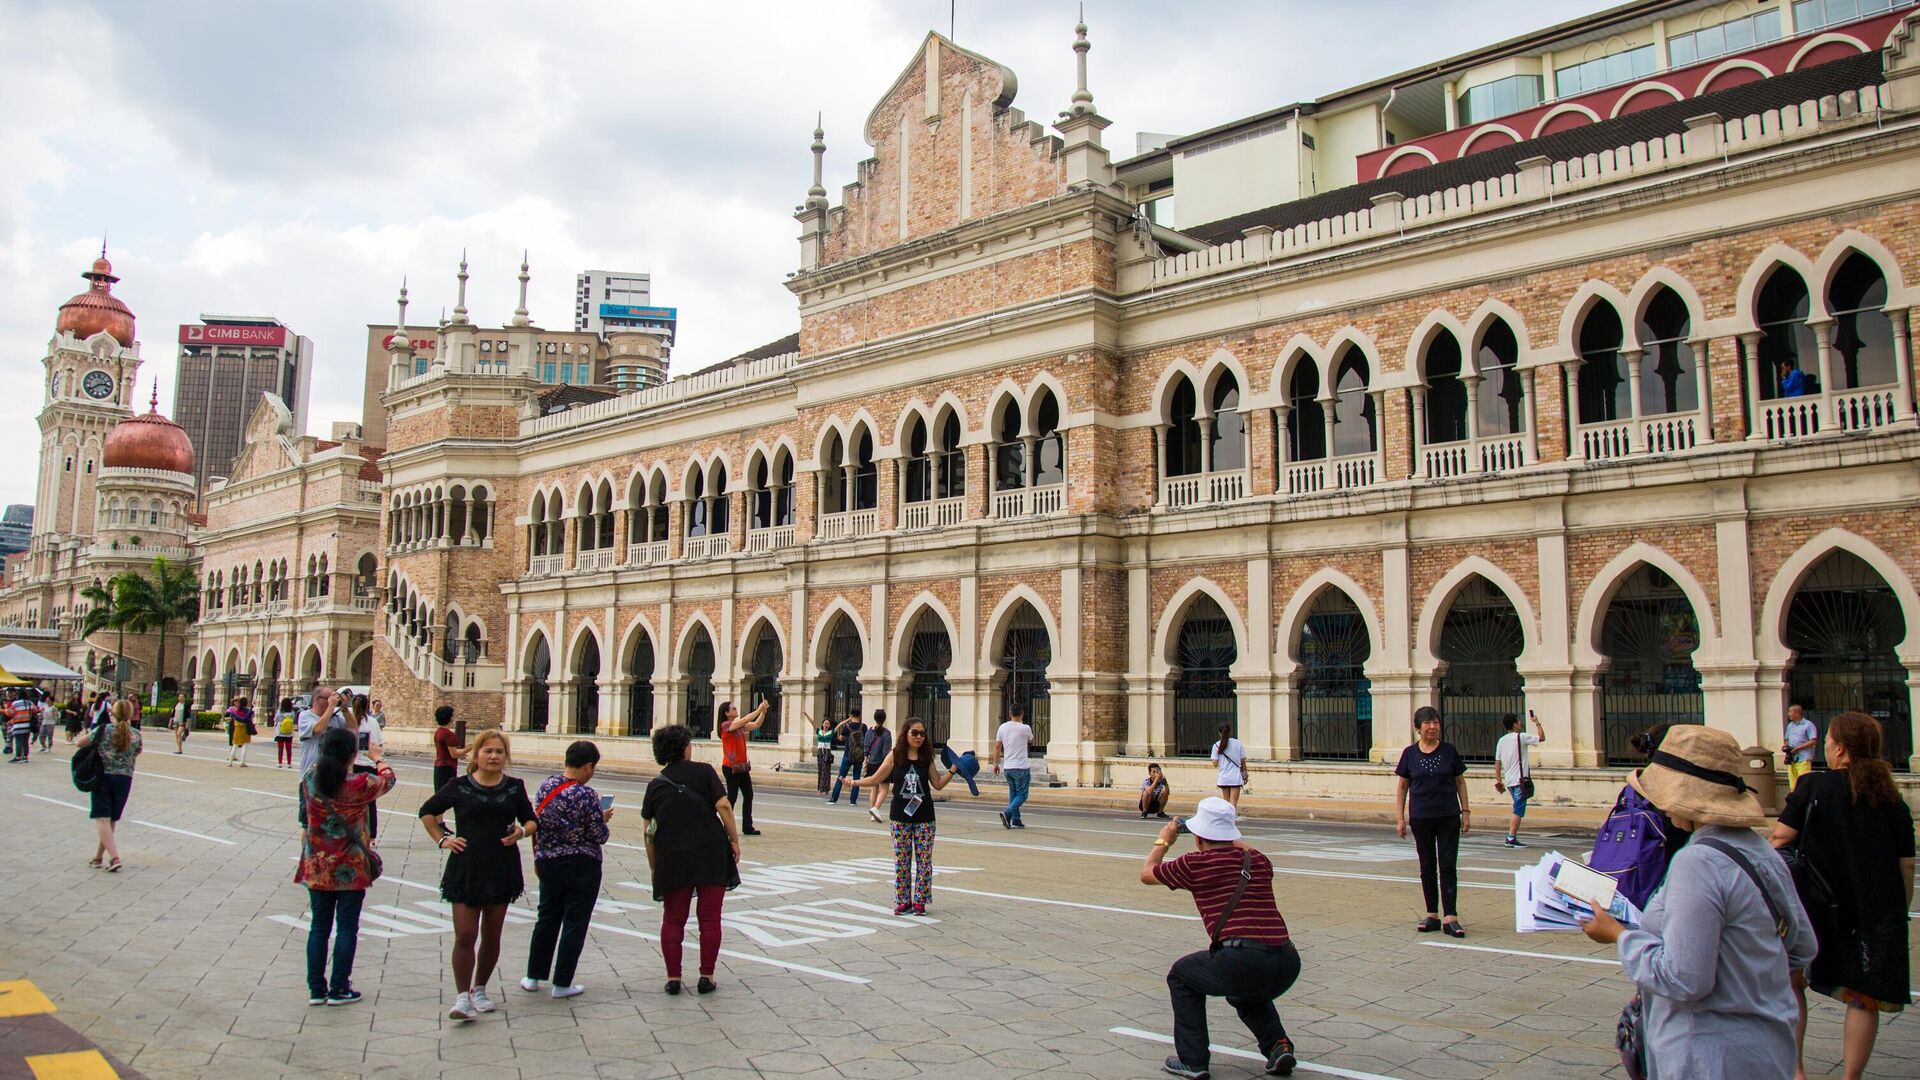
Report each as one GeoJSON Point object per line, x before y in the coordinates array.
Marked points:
{"type": "Point", "coordinates": [97, 309]}
{"type": "Point", "coordinates": [149, 441]}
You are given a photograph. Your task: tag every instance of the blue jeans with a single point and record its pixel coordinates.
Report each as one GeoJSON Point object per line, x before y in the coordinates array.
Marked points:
{"type": "Point", "coordinates": [336, 912]}
{"type": "Point", "coordinates": [848, 763]}
{"type": "Point", "coordinates": [1017, 781]}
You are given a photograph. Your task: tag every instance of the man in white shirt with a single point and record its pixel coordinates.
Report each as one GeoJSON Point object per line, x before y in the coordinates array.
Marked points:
{"type": "Point", "coordinates": [312, 724]}
{"type": "Point", "coordinates": [1510, 753]}
{"type": "Point", "coordinates": [1010, 745]}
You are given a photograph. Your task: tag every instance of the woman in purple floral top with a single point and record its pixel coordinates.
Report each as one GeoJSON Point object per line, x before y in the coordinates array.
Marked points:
{"type": "Point", "coordinates": [336, 865]}
{"type": "Point", "coordinates": [566, 859]}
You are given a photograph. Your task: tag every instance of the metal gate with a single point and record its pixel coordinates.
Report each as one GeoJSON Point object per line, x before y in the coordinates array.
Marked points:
{"type": "Point", "coordinates": [1024, 659]}
{"type": "Point", "coordinates": [537, 672]}
{"type": "Point", "coordinates": [1843, 625]}
{"type": "Point", "coordinates": [640, 693]}
{"type": "Point", "coordinates": [763, 684]}
{"type": "Point", "coordinates": [586, 700]}
{"type": "Point", "coordinates": [700, 685]}
{"type": "Point", "coordinates": [1479, 641]}
{"type": "Point", "coordinates": [1648, 636]}
{"type": "Point", "coordinates": [1335, 696]}
{"type": "Point", "coordinates": [842, 671]}
{"type": "Point", "coordinates": [929, 697]}
{"type": "Point", "coordinates": [1203, 695]}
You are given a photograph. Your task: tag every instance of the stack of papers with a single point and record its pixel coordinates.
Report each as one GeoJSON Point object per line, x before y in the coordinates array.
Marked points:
{"type": "Point", "coordinates": [1539, 906]}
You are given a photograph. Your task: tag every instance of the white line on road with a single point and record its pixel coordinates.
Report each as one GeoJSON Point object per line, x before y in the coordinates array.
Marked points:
{"type": "Point", "coordinates": [268, 794]}
{"type": "Point", "coordinates": [136, 821]}
{"type": "Point", "coordinates": [144, 773]}
{"type": "Point", "coordinates": [1248, 1055]}
{"type": "Point", "coordinates": [1519, 952]}
{"type": "Point", "coordinates": [1069, 903]}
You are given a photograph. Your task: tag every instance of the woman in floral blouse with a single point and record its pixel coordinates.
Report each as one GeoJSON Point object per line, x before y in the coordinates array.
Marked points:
{"type": "Point", "coordinates": [336, 865]}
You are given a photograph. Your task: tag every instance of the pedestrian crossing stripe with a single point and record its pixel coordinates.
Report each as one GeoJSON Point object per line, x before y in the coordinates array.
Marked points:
{"type": "Point", "coordinates": [21, 998]}
{"type": "Point", "coordinates": [78, 1065]}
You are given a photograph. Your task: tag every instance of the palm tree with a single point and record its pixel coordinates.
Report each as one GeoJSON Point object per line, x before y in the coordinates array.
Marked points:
{"type": "Point", "coordinates": [103, 613]}
{"type": "Point", "coordinates": [153, 603]}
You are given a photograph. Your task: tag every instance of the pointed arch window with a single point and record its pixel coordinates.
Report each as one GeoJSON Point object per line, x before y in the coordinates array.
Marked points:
{"type": "Point", "coordinates": [1227, 436]}
{"type": "Point", "coordinates": [1446, 406]}
{"type": "Point", "coordinates": [929, 695]}
{"type": "Point", "coordinates": [1603, 391]}
{"type": "Point", "coordinates": [1335, 695]}
{"type": "Point", "coordinates": [1306, 419]}
{"type": "Point", "coordinates": [1862, 332]}
{"type": "Point", "coordinates": [1049, 445]}
{"type": "Point", "coordinates": [841, 670]}
{"type": "Point", "coordinates": [1786, 343]}
{"type": "Point", "coordinates": [1355, 425]}
{"type": "Point", "coordinates": [1025, 656]}
{"type": "Point", "coordinates": [1669, 372]}
{"type": "Point", "coordinates": [949, 461]}
{"type": "Point", "coordinates": [700, 668]}
{"type": "Point", "coordinates": [1009, 451]}
{"type": "Point", "coordinates": [1183, 430]}
{"type": "Point", "coordinates": [539, 666]}
{"type": "Point", "coordinates": [763, 684]}
{"type": "Point", "coordinates": [1500, 399]}
{"type": "Point", "coordinates": [640, 688]}
{"type": "Point", "coordinates": [917, 479]}
{"type": "Point", "coordinates": [1203, 693]}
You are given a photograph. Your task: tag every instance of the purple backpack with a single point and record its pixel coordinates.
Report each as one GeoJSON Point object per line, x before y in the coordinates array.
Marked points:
{"type": "Point", "coordinates": [1631, 847]}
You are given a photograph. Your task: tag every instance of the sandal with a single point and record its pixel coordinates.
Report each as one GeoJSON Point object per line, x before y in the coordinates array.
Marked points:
{"type": "Point", "coordinates": [113, 867]}
{"type": "Point", "coordinates": [1452, 929]}
{"type": "Point", "coordinates": [1427, 925]}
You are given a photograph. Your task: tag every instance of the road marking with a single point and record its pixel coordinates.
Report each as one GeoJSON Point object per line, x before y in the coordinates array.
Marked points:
{"type": "Point", "coordinates": [1071, 904]}
{"type": "Point", "coordinates": [164, 776]}
{"type": "Point", "coordinates": [750, 957]}
{"type": "Point", "coordinates": [1520, 952]}
{"type": "Point", "coordinates": [1248, 1055]}
{"type": "Point", "coordinates": [21, 998]}
{"type": "Point", "coordinates": [134, 821]}
{"type": "Point", "coordinates": [75, 1065]}
{"type": "Point", "coordinates": [268, 794]}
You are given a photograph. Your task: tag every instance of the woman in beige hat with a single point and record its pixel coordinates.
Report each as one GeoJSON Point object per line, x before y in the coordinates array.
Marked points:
{"type": "Point", "coordinates": [1714, 954]}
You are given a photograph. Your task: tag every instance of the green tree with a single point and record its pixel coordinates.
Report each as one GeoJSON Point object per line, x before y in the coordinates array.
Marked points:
{"type": "Point", "coordinates": [154, 601]}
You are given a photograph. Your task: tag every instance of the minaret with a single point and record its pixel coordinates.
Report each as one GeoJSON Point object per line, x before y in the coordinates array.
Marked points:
{"type": "Point", "coordinates": [400, 345]}
{"type": "Point", "coordinates": [1088, 163]}
{"type": "Point", "coordinates": [520, 313]}
{"type": "Point", "coordinates": [813, 212]}
{"type": "Point", "coordinates": [460, 304]}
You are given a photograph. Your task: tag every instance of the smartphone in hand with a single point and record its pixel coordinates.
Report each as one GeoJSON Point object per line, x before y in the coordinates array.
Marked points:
{"type": "Point", "coordinates": [606, 803]}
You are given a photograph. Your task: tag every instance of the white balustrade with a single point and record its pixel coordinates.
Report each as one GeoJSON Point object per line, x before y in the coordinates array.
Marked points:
{"type": "Point", "coordinates": [834, 527]}
{"type": "Point", "coordinates": [1349, 473]}
{"type": "Point", "coordinates": [1204, 489]}
{"type": "Point", "coordinates": [1030, 502]}
{"type": "Point", "coordinates": [597, 559]}
{"type": "Point", "coordinates": [1306, 477]}
{"type": "Point", "coordinates": [1049, 500]}
{"type": "Point", "coordinates": [863, 522]}
{"type": "Point", "coordinates": [1444, 462]}
{"type": "Point", "coordinates": [1671, 432]}
{"type": "Point", "coordinates": [933, 513]}
{"type": "Point", "coordinates": [1356, 471]}
{"type": "Point", "coordinates": [1790, 418]}
{"type": "Point", "coordinates": [545, 565]}
{"type": "Point", "coordinates": [1503, 454]}
{"type": "Point", "coordinates": [708, 547]}
{"type": "Point", "coordinates": [761, 541]}
{"type": "Point", "coordinates": [1608, 441]}
{"type": "Point", "coordinates": [647, 553]}
{"type": "Point", "coordinates": [365, 603]}
{"type": "Point", "coordinates": [1865, 410]}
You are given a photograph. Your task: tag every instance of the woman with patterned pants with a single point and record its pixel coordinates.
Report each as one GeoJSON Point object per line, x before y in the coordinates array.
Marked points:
{"type": "Point", "coordinates": [912, 815]}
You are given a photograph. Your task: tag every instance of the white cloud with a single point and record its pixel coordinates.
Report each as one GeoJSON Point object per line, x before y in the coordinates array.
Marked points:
{"type": "Point", "coordinates": [297, 160]}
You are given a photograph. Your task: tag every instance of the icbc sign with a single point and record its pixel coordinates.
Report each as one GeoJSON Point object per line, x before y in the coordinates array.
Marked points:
{"type": "Point", "coordinates": [419, 344]}
{"type": "Point", "coordinates": [233, 335]}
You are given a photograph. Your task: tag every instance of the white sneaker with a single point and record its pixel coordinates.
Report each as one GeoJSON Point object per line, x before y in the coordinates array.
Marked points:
{"type": "Point", "coordinates": [462, 1008]}
{"type": "Point", "coordinates": [569, 991]}
{"type": "Point", "coordinates": [481, 1001]}
{"type": "Point", "coordinates": [874, 813]}
{"type": "Point", "coordinates": [530, 985]}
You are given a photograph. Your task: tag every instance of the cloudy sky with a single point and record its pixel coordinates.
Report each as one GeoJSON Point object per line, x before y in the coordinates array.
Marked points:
{"type": "Point", "coordinates": [297, 158]}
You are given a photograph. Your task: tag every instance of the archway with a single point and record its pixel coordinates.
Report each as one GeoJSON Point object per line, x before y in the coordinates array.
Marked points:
{"type": "Point", "coordinates": [1203, 692]}
{"type": "Point", "coordinates": [1335, 696]}
{"type": "Point", "coordinates": [539, 666]}
{"type": "Point", "coordinates": [309, 669]}
{"type": "Point", "coordinates": [1843, 625]}
{"type": "Point", "coordinates": [1648, 638]}
{"type": "Point", "coordinates": [586, 685]}
{"type": "Point", "coordinates": [360, 666]}
{"type": "Point", "coordinates": [764, 661]}
{"type": "Point", "coordinates": [840, 664]}
{"type": "Point", "coordinates": [1480, 643]}
{"type": "Point", "coordinates": [1024, 655]}
{"type": "Point", "coordinates": [700, 668]}
{"type": "Point", "coordinates": [640, 689]}
{"type": "Point", "coordinates": [929, 655]}
{"type": "Point", "coordinates": [270, 683]}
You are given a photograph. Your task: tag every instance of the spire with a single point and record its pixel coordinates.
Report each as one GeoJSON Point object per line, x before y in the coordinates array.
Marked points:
{"type": "Point", "coordinates": [460, 305]}
{"type": "Point", "coordinates": [103, 244]}
{"type": "Point", "coordinates": [401, 341]}
{"type": "Point", "coordinates": [1082, 97]}
{"type": "Point", "coordinates": [520, 313]}
{"type": "Point", "coordinates": [817, 194]}
{"type": "Point", "coordinates": [153, 403]}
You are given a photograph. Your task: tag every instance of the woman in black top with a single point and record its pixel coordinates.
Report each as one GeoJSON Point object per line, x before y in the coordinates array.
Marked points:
{"type": "Point", "coordinates": [1432, 796]}
{"type": "Point", "coordinates": [483, 873]}
{"type": "Point", "coordinates": [693, 847]}
{"type": "Point", "coordinates": [1857, 832]}
{"type": "Point", "coordinates": [912, 816]}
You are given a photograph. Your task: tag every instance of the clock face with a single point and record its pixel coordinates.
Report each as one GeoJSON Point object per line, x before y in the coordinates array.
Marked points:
{"type": "Point", "coordinates": [98, 385]}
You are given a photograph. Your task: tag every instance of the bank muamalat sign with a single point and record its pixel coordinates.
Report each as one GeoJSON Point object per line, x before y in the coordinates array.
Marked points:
{"type": "Point", "coordinates": [220, 334]}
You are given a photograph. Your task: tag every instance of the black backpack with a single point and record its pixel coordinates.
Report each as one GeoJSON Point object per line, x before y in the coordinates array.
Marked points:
{"type": "Point", "coordinates": [857, 742]}
{"type": "Point", "coordinates": [88, 767]}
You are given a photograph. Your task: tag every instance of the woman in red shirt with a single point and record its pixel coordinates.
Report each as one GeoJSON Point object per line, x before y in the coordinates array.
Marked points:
{"type": "Point", "coordinates": [733, 758]}
{"type": "Point", "coordinates": [336, 865]}
{"type": "Point", "coordinates": [446, 743]}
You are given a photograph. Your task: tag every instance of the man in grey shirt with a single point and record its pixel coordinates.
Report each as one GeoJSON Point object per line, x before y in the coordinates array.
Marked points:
{"type": "Point", "coordinates": [1713, 965]}
{"type": "Point", "coordinates": [314, 723]}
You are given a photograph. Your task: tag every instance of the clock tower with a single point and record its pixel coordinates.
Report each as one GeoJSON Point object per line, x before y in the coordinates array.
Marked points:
{"type": "Point", "coordinates": [91, 364]}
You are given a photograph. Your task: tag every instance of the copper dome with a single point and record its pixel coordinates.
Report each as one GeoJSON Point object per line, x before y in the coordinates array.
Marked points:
{"type": "Point", "coordinates": [97, 309]}
{"type": "Point", "coordinates": [148, 441]}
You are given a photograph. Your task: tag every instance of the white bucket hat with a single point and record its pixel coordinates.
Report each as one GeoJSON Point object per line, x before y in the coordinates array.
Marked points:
{"type": "Point", "coordinates": [1213, 820]}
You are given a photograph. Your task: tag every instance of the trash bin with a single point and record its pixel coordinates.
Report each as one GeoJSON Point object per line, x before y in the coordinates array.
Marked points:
{"type": "Point", "coordinates": [1759, 775]}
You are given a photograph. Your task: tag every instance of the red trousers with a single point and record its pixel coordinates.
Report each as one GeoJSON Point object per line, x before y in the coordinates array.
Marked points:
{"type": "Point", "coordinates": [673, 926]}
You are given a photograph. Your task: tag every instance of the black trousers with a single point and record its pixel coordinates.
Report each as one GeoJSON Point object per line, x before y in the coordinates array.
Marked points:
{"type": "Point", "coordinates": [1437, 839]}
{"type": "Point", "coordinates": [444, 775]}
{"type": "Point", "coordinates": [740, 796]}
{"type": "Point", "coordinates": [568, 887]}
{"type": "Point", "coordinates": [1249, 978]}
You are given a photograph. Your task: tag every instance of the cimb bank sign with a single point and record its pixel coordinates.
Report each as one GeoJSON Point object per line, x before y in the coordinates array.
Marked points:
{"type": "Point", "coordinates": [219, 334]}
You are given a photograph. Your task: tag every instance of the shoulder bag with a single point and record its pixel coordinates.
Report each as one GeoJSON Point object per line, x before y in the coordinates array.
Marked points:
{"type": "Point", "coordinates": [1816, 892]}
{"type": "Point", "coordinates": [1630, 1030]}
{"type": "Point", "coordinates": [1239, 890]}
{"type": "Point", "coordinates": [1526, 778]}
{"type": "Point", "coordinates": [558, 788]}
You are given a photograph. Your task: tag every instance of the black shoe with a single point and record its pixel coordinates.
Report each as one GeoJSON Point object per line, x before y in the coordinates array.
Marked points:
{"type": "Point", "coordinates": [1180, 1068]}
{"type": "Point", "coordinates": [1427, 925]}
{"type": "Point", "coordinates": [749, 831]}
{"type": "Point", "coordinates": [1163, 817]}
{"type": "Point", "coordinates": [1019, 824]}
{"type": "Point", "coordinates": [343, 997]}
{"type": "Point", "coordinates": [1005, 821]}
{"type": "Point", "coordinates": [705, 985]}
{"type": "Point", "coordinates": [1452, 929]}
{"type": "Point", "coordinates": [673, 987]}
{"type": "Point", "coordinates": [1280, 1059]}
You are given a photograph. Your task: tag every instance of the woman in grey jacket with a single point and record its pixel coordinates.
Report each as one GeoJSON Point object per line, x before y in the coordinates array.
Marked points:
{"type": "Point", "coordinates": [1712, 963]}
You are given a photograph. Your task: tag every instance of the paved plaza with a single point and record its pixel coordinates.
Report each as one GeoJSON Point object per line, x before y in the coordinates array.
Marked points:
{"type": "Point", "coordinates": [1044, 956]}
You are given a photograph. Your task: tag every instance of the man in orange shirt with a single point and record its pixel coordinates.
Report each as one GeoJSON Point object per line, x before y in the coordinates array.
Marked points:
{"type": "Point", "coordinates": [733, 758]}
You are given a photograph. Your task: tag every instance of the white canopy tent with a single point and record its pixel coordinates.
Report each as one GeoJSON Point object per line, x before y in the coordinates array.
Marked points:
{"type": "Point", "coordinates": [27, 664]}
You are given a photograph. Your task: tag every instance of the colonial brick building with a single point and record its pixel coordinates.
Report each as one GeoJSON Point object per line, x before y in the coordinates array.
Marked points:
{"type": "Point", "coordinates": [1613, 421]}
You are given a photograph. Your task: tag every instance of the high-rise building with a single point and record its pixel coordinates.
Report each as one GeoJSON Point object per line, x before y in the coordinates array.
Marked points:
{"type": "Point", "coordinates": [593, 288]}
{"type": "Point", "coordinates": [226, 363]}
{"type": "Point", "coordinates": [16, 529]}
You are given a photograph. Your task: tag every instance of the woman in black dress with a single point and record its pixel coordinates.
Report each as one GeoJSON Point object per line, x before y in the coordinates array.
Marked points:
{"type": "Point", "coordinates": [693, 846]}
{"type": "Point", "coordinates": [1857, 833]}
{"type": "Point", "coordinates": [483, 873]}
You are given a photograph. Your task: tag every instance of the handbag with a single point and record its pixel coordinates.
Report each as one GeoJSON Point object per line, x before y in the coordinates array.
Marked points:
{"type": "Point", "coordinates": [1526, 778]}
{"type": "Point", "coordinates": [88, 767]}
{"type": "Point", "coordinates": [1629, 1033]}
{"type": "Point", "coordinates": [1816, 892]}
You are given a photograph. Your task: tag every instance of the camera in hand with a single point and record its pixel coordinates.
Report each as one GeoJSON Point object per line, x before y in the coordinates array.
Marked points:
{"type": "Point", "coordinates": [1180, 826]}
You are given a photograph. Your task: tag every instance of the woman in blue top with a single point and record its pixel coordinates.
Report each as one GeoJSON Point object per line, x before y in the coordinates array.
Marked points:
{"type": "Point", "coordinates": [1432, 796]}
